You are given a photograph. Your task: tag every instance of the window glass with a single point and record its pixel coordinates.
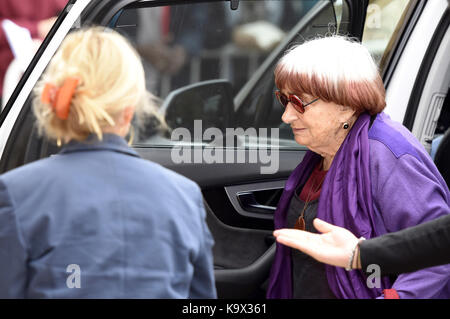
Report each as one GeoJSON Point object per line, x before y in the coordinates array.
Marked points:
{"type": "Point", "coordinates": [184, 45]}
{"type": "Point", "coordinates": [383, 23]}
{"type": "Point", "coordinates": [260, 109]}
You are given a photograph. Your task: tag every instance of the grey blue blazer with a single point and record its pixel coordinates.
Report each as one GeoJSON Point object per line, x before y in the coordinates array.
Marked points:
{"type": "Point", "coordinates": [97, 221]}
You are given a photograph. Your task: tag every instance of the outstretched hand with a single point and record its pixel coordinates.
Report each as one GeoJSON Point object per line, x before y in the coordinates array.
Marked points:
{"type": "Point", "coordinates": [332, 247]}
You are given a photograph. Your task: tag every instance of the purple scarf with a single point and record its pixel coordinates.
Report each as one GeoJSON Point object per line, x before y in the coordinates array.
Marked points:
{"type": "Point", "coordinates": [346, 201]}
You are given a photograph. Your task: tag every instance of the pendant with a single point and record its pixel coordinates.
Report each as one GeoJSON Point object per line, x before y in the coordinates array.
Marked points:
{"type": "Point", "coordinates": [300, 223]}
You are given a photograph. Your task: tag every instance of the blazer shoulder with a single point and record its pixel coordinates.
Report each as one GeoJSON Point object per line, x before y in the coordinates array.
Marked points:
{"type": "Point", "coordinates": [28, 172]}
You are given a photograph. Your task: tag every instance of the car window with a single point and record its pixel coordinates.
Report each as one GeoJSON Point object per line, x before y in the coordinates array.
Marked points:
{"type": "Point", "coordinates": [261, 109]}
{"type": "Point", "coordinates": [382, 27]}
{"type": "Point", "coordinates": [185, 45]}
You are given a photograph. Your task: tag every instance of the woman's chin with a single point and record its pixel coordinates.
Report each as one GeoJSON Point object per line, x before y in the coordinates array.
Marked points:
{"type": "Point", "coordinates": [301, 140]}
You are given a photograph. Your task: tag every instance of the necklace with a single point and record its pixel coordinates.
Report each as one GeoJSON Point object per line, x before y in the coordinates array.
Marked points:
{"type": "Point", "coordinates": [300, 223]}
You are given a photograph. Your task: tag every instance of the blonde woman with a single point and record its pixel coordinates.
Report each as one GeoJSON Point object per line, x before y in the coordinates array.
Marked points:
{"type": "Point", "coordinates": [96, 220]}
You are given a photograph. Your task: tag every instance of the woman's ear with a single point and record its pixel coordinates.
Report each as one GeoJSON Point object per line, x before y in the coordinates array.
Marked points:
{"type": "Point", "coordinates": [347, 114]}
{"type": "Point", "coordinates": [128, 114]}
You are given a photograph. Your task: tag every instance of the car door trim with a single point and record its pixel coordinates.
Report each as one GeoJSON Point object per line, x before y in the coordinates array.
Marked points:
{"type": "Point", "coordinates": [427, 63]}
{"type": "Point", "coordinates": [408, 67]}
{"type": "Point", "coordinates": [413, 16]}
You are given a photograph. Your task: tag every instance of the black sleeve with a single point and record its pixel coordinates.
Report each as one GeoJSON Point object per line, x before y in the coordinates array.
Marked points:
{"type": "Point", "coordinates": [408, 250]}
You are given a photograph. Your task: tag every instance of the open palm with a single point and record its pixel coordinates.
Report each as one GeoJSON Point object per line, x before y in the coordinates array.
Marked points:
{"type": "Point", "coordinates": [333, 246]}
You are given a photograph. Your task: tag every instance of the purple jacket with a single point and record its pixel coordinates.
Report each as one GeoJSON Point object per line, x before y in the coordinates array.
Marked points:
{"type": "Point", "coordinates": [387, 167]}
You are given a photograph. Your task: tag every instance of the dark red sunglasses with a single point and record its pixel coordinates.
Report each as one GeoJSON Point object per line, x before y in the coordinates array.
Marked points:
{"type": "Point", "coordinates": [298, 104]}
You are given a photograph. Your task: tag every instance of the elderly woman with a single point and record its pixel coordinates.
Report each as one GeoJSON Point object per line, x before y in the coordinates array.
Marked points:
{"type": "Point", "coordinates": [96, 220]}
{"type": "Point", "coordinates": [362, 172]}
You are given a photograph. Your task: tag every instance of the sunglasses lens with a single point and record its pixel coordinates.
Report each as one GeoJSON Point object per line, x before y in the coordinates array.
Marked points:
{"type": "Point", "coordinates": [284, 101]}
{"type": "Point", "coordinates": [298, 104]}
{"type": "Point", "coordinates": [281, 98]}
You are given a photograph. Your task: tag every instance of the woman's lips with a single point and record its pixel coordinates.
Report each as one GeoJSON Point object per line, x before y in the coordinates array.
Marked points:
{"type": "Point", "coordinates": [297, 130]}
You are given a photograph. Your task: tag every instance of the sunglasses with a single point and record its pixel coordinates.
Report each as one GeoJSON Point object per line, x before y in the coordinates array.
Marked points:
{"type": "Point", "coordinates": [298, 104]}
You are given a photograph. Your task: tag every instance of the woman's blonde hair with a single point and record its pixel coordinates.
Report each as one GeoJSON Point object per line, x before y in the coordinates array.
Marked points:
{"type": "Point", "coordinates": [111, 78]}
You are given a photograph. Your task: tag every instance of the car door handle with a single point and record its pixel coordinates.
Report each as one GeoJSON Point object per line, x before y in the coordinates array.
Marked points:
{"type": "Point", "coordinates": [253, 200]}
{"type": "Point", "coordinates": [249, 203]}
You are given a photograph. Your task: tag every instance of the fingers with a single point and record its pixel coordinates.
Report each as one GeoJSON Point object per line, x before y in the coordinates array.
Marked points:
{"type": "Point", "coordinates": [288, 241]}
{"type": "Point", "coordinates": [304, 241]}
{"type": "Point", "coordinates": [322, 226]}
{"type": "Point", "coordinates": [291, 233]}
{"type": "Point", "coordinates": [331, 247]}
{"type": "Point", "coordinates": [293, 238]}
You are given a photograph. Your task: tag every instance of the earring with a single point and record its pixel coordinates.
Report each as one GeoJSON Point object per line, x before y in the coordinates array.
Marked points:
{"type": "Point", "coordinates": [346, 126]}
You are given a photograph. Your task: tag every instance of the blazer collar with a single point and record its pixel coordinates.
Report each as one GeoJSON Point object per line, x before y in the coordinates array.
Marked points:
{"type": "Point", "coordinates": [110, 142]}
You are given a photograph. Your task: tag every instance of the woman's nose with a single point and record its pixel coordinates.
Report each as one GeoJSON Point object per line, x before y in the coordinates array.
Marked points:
{"type": "Point", "coordinates": [290, 114]}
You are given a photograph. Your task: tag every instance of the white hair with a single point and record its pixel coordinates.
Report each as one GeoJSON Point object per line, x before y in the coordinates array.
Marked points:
{"type": "Point", "coordinates": [335, 68]}
{"type": "Point", "coordinates": [334, 58]}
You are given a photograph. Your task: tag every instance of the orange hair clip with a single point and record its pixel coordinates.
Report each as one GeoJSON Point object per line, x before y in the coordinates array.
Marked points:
{"type": "Point", "coordinates": [60, 97]}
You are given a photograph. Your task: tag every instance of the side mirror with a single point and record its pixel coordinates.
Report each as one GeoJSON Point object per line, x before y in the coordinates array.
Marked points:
{"type": "Point", "coordinates": [209, 101]}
